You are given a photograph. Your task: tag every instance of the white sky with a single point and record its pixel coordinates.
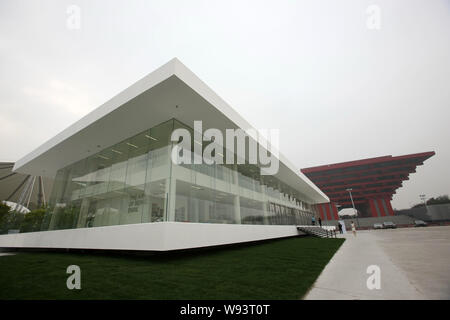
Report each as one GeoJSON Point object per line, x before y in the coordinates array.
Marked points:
{"type": "Point", "coordinates": [337, 90]}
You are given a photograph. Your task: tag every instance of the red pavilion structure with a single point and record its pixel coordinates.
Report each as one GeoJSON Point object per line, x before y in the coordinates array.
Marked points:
{"type": "Point", "coordinates": [371, 182]}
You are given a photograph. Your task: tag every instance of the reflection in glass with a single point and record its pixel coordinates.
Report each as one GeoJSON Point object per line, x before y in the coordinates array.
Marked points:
{"type": "Point", "coordinates": [134, 181]}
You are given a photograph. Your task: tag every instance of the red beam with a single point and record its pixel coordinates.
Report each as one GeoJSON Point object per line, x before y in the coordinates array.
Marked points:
{"type": "Point", "coordinates": [420, 156]}
{"type": "Point", "coordinates": [327, 209]}
{"type": "Point", "coordinates": [335, 212]}
{"type": "Point", "coordinates": [389, 206]}
{"type": "Point", "coordinates": [361, 195]}
{"type": "Point", "coordinates": [365, 199]}
{"type": "Point", "coordinates": [348, 203]}
{"type": "Point", "coordinates": [358, 173]}
{"type": "Point", "coordinates": [348, 181]}
{"type": "Point", "coordinates": [363, 190]}
{"type": "Point", "coordinates": [357, 178]}
{"type": "Point", "coordinates": [381, 207]}
{"type": "Point", "coordinates": [347, 164]}
{"type": "Point", "coordinates": [331, 188]}
{"type": "Point", "coordinates": [320, 211]}
{"type": "Point", "coordinates": [366, 196]}
{"type": "Point", "coordinates": [372, 208]}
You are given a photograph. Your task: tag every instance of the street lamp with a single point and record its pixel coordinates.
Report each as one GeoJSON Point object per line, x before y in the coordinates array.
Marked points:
{"type": "Point", "coordinates": [353, 204]}
{"type": "Point", "coordinates": [423, 198]}
{"type": "Point", "coordinates": [337, 207]}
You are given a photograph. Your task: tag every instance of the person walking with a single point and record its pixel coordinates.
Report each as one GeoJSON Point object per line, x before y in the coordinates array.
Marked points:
{"type": "Point", "coordinates": [320, 222]}
{"type": "Point", "coordinates": [353, 228]}
{"type": "Point", "coordinates": [340, 227]}
{"type": "Point", "coordinates": [313, 221]}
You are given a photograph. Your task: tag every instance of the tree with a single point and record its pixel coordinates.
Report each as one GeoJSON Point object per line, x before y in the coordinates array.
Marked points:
{"type": "Point", "coordinates": [4, 215]}
{"type": "Point", "coordinates": [439, 200]}
{"type": "Point", "coordinates": [14, 220]}
{"type": "Point", "coordinates": [24, 222]}
{"type": "Point", "coordinates": [32, 221]}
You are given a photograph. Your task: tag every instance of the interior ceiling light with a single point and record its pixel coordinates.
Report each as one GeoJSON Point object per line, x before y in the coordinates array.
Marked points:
{"type": "Point", "coordinates": [150, 137]}
{"type": "Point", "coordinates": [132, 145]}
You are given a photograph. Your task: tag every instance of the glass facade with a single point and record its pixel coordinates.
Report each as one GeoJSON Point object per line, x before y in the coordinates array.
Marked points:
{"type": "Point", "coordinates": [135, 181]}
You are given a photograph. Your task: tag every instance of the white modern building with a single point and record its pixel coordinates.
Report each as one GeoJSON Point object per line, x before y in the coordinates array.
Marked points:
{"type": "Point", "coordinates": [116, 187]}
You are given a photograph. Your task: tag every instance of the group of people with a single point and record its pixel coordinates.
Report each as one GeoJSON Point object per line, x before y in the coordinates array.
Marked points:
{"type": "Point", "coordinates": [339, 225]}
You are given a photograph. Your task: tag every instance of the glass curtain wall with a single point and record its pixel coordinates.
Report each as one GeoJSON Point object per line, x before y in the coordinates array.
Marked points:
{"type": "Point", "coordinates": [123, 184]}
{"type": "Point", "coordinates": [223, 193]}
{"type": "Point", "coordinates": [135, 181]}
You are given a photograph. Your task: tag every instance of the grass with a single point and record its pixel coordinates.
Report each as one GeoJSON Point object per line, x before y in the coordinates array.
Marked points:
{"type": "Point", "coordinates": [279, 269]}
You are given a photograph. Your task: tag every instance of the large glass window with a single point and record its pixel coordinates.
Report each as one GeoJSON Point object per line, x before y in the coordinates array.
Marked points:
{"type": "Point", "coordinates": [134, 181]}
{"type": "Point", "coordinates": [122, 184]}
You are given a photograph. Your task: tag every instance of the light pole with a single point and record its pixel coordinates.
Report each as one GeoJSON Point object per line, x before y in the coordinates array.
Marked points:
{"type": "Point", "coordinates": [423, 198]}
{"type": "Point", "coordinates": [353, 204]}
{"type": "Point", "coordinates": [337, 208]}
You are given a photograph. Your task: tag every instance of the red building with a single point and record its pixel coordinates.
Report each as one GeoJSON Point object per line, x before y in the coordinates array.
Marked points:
{"type": "Point", "coordinates": [372, 181]}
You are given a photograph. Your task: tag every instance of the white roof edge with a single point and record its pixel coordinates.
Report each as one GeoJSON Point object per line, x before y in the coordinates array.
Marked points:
{"type": "Point", "coordinates": [173, 67]}
{"type": "Point", "coordinates": [155, 77]}
{"type": "Point", "coordinates": [193, 81]}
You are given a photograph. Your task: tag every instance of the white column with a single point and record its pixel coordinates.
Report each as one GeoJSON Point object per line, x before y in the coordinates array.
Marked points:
{"type": "Point", "coordinates": [171, 187]}
{"type": "Point", "coordinates": [194, 203]}
{"type": "Point", "coordinates": [237, 200]}
{"type": "Point", "coordinates": [265, 201]}
{"type": "Point", "coordinates": [237, 209]}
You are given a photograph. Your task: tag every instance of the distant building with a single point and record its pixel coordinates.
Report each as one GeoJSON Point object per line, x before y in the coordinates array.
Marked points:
{"type": "Point", "coordinates": [429, 213]}
{"type": "Point", "coordinates": [32, 191]}
{"type": "Point", "coordinates": [372, 181]}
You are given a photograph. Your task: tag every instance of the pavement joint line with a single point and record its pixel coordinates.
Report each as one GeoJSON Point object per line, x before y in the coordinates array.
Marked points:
{"type": "Point", "coordinates": [347, 293]}
{"type": "Point", "coordinates": [399, 267]}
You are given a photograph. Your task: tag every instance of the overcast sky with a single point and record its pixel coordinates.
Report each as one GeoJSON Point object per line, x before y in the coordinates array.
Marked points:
{"type": "Point", "coordinates": [337, 89]}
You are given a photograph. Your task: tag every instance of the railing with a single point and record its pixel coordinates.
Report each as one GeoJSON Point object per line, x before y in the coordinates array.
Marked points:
{"type": "Point", "coordinates": [318, 231]}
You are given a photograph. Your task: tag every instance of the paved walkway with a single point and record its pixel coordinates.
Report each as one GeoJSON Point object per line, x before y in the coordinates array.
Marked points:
{"type": "Point", "coordinates": [424, 255]}
{"type": "Point", "coordinates": [345, 275]}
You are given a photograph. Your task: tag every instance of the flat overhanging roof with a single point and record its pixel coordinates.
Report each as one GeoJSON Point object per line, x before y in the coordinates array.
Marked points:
{"type": "Point", "coordinates": [368, 178]}
{"type": "Point", "coordinates": [171, 91]}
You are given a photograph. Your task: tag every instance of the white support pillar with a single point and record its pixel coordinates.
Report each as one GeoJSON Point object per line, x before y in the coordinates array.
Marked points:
{"type": "Point", "coordinates": [171, 187]}
{"type": "Point", "coordinates": [237, 200]}
{"type": "Point", "coordinates": [265, 201]}
{"type": "Point", "coordinates": [237, 209]}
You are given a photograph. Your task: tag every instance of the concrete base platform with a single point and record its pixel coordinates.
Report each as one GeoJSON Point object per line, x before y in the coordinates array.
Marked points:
{"type": "Point", "coordinates": [160, 236]}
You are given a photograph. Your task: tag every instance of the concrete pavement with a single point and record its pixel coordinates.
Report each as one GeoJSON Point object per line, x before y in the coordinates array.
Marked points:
{"type": "Point", "coordinates": [346, 275]}
{"type": "Point", "coordinates": [424, 256]}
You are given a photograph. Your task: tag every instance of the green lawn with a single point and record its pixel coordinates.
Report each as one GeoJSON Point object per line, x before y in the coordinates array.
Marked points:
{"type": "Point", "coordinates": [279, 269]}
